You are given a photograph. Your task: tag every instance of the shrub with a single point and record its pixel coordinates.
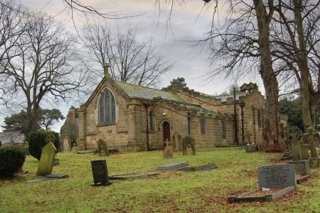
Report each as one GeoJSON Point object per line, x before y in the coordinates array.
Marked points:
{"type": "Point", "coordinates": [11, 161]}
{"type": "Point", "coordinates": [37, 140]}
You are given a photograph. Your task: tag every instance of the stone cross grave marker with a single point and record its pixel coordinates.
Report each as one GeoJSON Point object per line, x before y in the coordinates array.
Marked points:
{"type": "Point", "coordinates": [47, 159]}
{"type": "Point", "coordinates": [168, 150]}
{"type": "Point", "coordinates": [273, 176]}
{"type": "Point", "coordinates": [300, 151]}
{"type": "Point", "coordinates": [312, 138]}
{"type": "Point", "coordinates": [296, 147]}
{"type": "Point", "coordinates": [100, 173]}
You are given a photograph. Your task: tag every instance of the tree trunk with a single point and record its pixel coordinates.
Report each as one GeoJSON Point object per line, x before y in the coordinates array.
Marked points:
{"type": "Point", "coordinates": [271, 131]}
{"type": "Point", "coordinates": [306, 89]}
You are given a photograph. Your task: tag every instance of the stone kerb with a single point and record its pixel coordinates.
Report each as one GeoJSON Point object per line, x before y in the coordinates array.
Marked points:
{"type": "Point", "coordinates": [274, 182]}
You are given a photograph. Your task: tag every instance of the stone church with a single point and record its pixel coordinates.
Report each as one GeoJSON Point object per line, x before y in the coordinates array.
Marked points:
{"type": "Point", "coordinates": [133, 118]}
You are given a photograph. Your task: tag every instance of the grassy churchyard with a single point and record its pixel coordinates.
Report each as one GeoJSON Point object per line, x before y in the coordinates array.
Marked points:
{"type": "Point", "coordinates": [171, 191]}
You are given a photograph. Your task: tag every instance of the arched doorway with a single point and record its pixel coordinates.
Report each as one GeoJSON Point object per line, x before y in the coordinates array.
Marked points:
{"type": "Point", "coordinates": [166, 131]}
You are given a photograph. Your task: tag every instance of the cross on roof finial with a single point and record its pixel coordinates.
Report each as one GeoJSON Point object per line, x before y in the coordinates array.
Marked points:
{"type": "Point", "coordinates": [106, 72]}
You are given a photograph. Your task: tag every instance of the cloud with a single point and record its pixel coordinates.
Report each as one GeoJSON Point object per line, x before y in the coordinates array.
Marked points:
{"type": "Point", "coordinates": [172, 33]}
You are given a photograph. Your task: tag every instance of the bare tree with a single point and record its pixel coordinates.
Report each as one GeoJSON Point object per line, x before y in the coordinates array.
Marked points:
{"type": "Point", "coordinates": [293, 39]}
{"type": "Point", "coordinates": [243, 44]}
{"type": "Point", "coordinates": [45, 66]}
{"type": "Point", "coordinates": [128, 60]}
{"type": "Point", "coordinates": [297, 39]}
{"type": "Point", "coordinates": [10, 18]}
{"type": "Point", "coordinates": [262, 13]}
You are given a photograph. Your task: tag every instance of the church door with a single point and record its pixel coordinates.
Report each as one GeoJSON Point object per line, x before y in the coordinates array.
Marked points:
{"type": "Point", "coordinates": [166, 131]}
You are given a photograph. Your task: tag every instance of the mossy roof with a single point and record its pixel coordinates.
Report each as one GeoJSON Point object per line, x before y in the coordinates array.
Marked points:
{"type": "Point", "coordinates": [141, 92]}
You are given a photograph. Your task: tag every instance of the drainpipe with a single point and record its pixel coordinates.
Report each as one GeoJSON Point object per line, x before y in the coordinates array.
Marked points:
{"type": "Point", "coordinates": [147, 126]}
{"type": "Point", "coordinates": [189, 125]}
{"type": "Point", "coordinates": [236, 141]}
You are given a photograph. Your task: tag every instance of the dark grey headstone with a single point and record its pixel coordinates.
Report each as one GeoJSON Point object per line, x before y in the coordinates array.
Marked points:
{"type": "Point", "coordinates": [100, 173]}
{"type": "Point", "coordinates": [273, 176]}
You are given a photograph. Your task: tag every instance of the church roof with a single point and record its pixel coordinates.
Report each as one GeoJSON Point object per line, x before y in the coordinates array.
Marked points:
{"type": "Point", "coordinates": [141, 92]}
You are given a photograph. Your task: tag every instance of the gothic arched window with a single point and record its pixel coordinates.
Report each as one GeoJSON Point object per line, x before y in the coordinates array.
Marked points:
{"type": "Point", "coordinates": [107, 108]}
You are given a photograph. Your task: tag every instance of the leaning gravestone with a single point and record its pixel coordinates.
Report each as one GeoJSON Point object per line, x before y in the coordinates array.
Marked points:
{"type": "Point", "coordinates": [168, 150]}
{"type": "Point", "coordinates": [47, 159]}
{"type": "Point", "coordinates": [100, 173]}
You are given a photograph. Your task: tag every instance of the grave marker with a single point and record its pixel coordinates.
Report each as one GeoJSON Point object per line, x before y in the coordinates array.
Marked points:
{"type": "Point", "coordinates": [301, 167]}
{"type": "Point", "coordinates": [273, 176]}
{"type": "Point", "coordinates": [47, 159]}
{"type": "Point", "coordinates": [188, 146]}
{"type": "Point", "coordinates": [100, 173]}
{"type": "Point", "coordinates": [173, 166]}
{"type": "Point", "coordinates": [300, 151]}
{"type": "Point", "coordinates": [102, 146]}
{"type": "Point", "coordinates": [280, 178]}
{"type": "Point", "coordinates": [168, 150]}
{"type": "Point", "coordinates": [312, 138]}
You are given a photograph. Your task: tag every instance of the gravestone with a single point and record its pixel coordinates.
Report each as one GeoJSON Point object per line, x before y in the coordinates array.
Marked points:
{"type": "Point", "coordinates": [47, 159]}
{"type": "Point", "coordinates": [301, 167]}
{"type": "Point", "coordinates": [188, 146]}
{"type": "Point", "coordinates": [273, 176]}
{"type": "Point", "coordinates": [312, 138]}
{"type": "Point", "coordinates": [251, 148]}
{"type": "Point", "coordinates": [177, 141]}
{"type": "Point", "coordinates": [173, 166]}
{"type": "Point", "coordinates": [300, 151]}
{"type": "Point", "coordinates": [67, 146]}
{"type": "Point", "coordinates": [102, 147]}
{"type": "Point", "coordinates": [167, 151]}
{"type": "Point", "coordinates": [280, 178]}
{"type": "Point", "coordinates": [100, 173]}
{"type": "Point", "coordinates": [304, 150]}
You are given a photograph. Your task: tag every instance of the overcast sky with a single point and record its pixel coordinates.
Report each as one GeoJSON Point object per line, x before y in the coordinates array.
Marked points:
{"type": "Point", "coordinates": [188, 22]}
{"type": "Point", "coordinates": [173, 39]}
